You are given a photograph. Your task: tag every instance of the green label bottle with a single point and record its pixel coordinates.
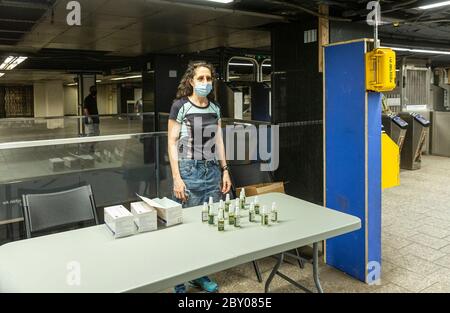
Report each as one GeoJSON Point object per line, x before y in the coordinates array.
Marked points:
{"type": "Point", "coordinates": [211, 218]}
{"type": "Point", "coordinates": [231, 218]}
{"type": "Point", "coordinates": [242, 199]}
{"type": "Point", "coordinates": [251, 213]}
{"type": "Point", "coordinates": [205, 213]}
{"type": "Point", "coordinates": [237, 218]}
{"type": "Point", "coordinates": [221, 221]}
{"type": "Point", "coordinates": [211, 213]}
{"type": "Point", "coordinates": [210, 205]}
{"type": "Point", "coordinates": [227, 203]}
{"type": "Point", "coordinates": [264, 217]}
{"type": "Point", "coordinates": [257, 206]}
{"type": "Point", "coordinates": [274, 213]}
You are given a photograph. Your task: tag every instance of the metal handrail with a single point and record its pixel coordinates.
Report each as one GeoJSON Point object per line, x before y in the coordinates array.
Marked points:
{"type": "Point", "coordinates": [75, 140]}
{"type": "Point", "coordinates": [18, 119]}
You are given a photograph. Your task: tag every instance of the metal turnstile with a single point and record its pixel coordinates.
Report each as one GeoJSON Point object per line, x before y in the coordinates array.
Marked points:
{"type": "Point", "coordinates": [418, 128]}
{"type": "Point", "coordinates": [396, 128]}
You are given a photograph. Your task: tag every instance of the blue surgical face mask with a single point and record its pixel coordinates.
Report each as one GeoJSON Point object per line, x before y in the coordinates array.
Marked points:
{"type": "Point", "coordinates": [203, 90]}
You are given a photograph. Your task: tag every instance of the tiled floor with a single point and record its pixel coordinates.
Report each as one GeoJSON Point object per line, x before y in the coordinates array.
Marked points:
{"type": "Point", "coordinates": [416, 242]}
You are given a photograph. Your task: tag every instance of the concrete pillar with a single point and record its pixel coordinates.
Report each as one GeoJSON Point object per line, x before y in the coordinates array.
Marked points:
{"type": "Point", "coordinates": [49, 102]}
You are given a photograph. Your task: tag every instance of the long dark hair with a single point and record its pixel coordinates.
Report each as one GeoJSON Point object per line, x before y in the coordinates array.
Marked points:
{"type": "Point", "coordinates": [185, 88]}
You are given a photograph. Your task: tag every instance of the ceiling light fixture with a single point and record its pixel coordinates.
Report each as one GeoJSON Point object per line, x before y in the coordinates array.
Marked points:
{"type": "Point", "coordinates": [128, 77]}
{"type": "Point", "coordinates": [434, 5]}
{"type": "Point", "coordinates": [420, 50]}
{"type": "Point", "coordinates": [11, 62]}
{"type": "Point", "coordinates": [221, 1]}
{"type": "Point", "coordinates": [1, 74]}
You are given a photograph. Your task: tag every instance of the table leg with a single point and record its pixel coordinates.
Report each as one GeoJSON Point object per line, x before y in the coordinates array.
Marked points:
{"type": "Point", "coordinates": [316, 267]}
{"type": "Point", "coordinates": [257, 271]}
{"type": "Point", "coordinates": [274, 272]}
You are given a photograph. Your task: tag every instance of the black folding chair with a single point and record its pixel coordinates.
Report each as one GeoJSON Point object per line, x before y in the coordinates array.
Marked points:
{"type": "Point", "coordinates": [59, 211]}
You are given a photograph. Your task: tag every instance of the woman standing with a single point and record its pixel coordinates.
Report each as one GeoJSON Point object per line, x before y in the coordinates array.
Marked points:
{"type": "Point", "coordinates": [196, 149]}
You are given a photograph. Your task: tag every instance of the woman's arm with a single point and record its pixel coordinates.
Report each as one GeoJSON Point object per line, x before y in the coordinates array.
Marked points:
{"type": "Point", "coordinates": [173, 136]}
{"type": "Point", "coordinates": [226, 181]}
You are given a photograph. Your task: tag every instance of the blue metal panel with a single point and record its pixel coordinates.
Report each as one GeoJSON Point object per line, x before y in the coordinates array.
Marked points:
{"type": "Point", "coordinates": [346, 161]}
{"type": "Point", "coordinates": [374, 177]}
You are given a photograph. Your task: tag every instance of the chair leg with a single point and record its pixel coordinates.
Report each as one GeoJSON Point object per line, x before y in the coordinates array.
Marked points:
{"type": "Point", "coordinates": [257, 271]}
{"type": "Point", "coordinates": [300, 261]}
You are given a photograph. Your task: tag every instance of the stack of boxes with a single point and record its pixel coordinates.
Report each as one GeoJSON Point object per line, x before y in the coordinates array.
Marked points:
{"type": "Point", "coordinates": [143, 217]}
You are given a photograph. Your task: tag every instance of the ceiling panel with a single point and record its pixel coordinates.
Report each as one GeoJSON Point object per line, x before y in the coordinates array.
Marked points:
{"type": "Point", "coordinates": [128, 8]}
{"type": "Point", "coordinates": [84, 34]}
{"type": "Point", "coordinates": [111, 22]}
{"type": "Point", "coordinates": [242, 39]}
{"type": "Point", "coordinates": [22, 76]}
{"type": "Point", "coordinates": [174, 14]}
{"type": "Point", "coordinates": [87, 7]}
{"type": "Point", "coordinates": [70, 46]}
{"type": "Point", "coordinates": [133, 27]}
{"type": "Point", "coordinates": [15, 13]}
{"type": "Point", "coordinates": [237, 21]}
{"type": "Point", "coordinates": [18, 26]}
{"type": "Point", "coordinates": [114, 45]}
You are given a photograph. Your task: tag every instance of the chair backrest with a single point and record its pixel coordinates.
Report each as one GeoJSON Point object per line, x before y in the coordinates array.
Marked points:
{"type": "Point", "coordinates": [248, 174]}
{"type": "Point", "coordinates": [47, 212]}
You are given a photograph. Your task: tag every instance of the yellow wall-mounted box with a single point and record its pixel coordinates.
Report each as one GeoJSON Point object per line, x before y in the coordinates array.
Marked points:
{"type": "Point", "coordinates": [380, 70]}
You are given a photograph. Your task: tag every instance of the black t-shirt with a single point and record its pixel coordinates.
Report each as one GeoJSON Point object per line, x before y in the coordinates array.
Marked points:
{"type": "Point", "coordinates": [90, 103]}
{"type": "Point", "coordinates": [196, 121]}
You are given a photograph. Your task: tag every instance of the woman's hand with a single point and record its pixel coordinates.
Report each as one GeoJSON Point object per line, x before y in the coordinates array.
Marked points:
{"type": "Point", "coordinates": [226, 182]}
{"type": "Point", "coordinates": [179, 189]}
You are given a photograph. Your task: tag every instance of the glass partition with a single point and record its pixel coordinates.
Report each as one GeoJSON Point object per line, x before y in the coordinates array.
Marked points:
{"type": "Point", "coordinates": [116, 166]}
{"type": "Point", "coordinates": [26, 129]}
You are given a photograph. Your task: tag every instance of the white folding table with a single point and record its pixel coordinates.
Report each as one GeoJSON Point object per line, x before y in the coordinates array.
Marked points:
{"type": "Point", "coordinates": [151, 262]}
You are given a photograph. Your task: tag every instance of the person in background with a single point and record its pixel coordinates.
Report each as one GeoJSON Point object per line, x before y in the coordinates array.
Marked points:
{"type": "Point", "coordinates": [91, 119]}
{"type": "Point", "coordinates": [196, 148]}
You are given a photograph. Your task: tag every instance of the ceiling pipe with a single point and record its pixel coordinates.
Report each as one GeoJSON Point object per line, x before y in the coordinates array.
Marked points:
{"type": "Point", "coordinates": [393, 8]}
{"type": "Point", "coordinates": [218, 9]}
{"type": "Point", "coordinates": [306, 10]}
{"type": "Point", "coordinates": [25, 4]}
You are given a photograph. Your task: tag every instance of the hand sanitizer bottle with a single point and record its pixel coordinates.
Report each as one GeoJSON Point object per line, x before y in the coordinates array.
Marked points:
{"type": "Point", "coordinates": [227, 203]}
{"type": "Point", "coordinates": [257, 206]}
{"type": "Point", "coordinates": [237, 218]}
{"type": "Point", "coordinates": [242, 199]}
{"type": "Point", "coordinates": [231, 218]}
{"type": "Point", "coordinates": [211, 212]}
{"type": "Point", "coordinates": [251, 213]}
{"type": "Point", "coordinates": [210, 205]}
{"type": "Point", "coordinates": [274, 213]}
{"type": "Point", "coordinates": [221, 221]}
{"type": "Point", "coordinates": [205, 213]}
{"type": "Point", "coordinates": [264, 217]}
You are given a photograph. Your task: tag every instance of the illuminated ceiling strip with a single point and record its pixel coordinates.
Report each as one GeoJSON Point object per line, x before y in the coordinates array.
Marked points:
{"type": "Point", "coordinates": [11, 62]}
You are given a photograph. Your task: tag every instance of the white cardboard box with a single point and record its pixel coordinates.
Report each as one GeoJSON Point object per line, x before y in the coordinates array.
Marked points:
{"type": "Point", "coordinates": [169, 212]}
{"type": "Point", "coordinates": [72, 162]}
{"type": "Point", "coordinates": [56, 164]}
{"type": "Point", "coordinates": [87, 161]}
{"type": "Point", "coordinates": [120, 221]}
{"type": "Point", "coordinates": [145, 217]}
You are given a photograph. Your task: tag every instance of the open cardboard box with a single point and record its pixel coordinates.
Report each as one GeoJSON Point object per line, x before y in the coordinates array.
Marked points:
{"type": "Point", "coordinates": [169, 212]}
{"type": "Point", "coordinates": [259, 189]}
